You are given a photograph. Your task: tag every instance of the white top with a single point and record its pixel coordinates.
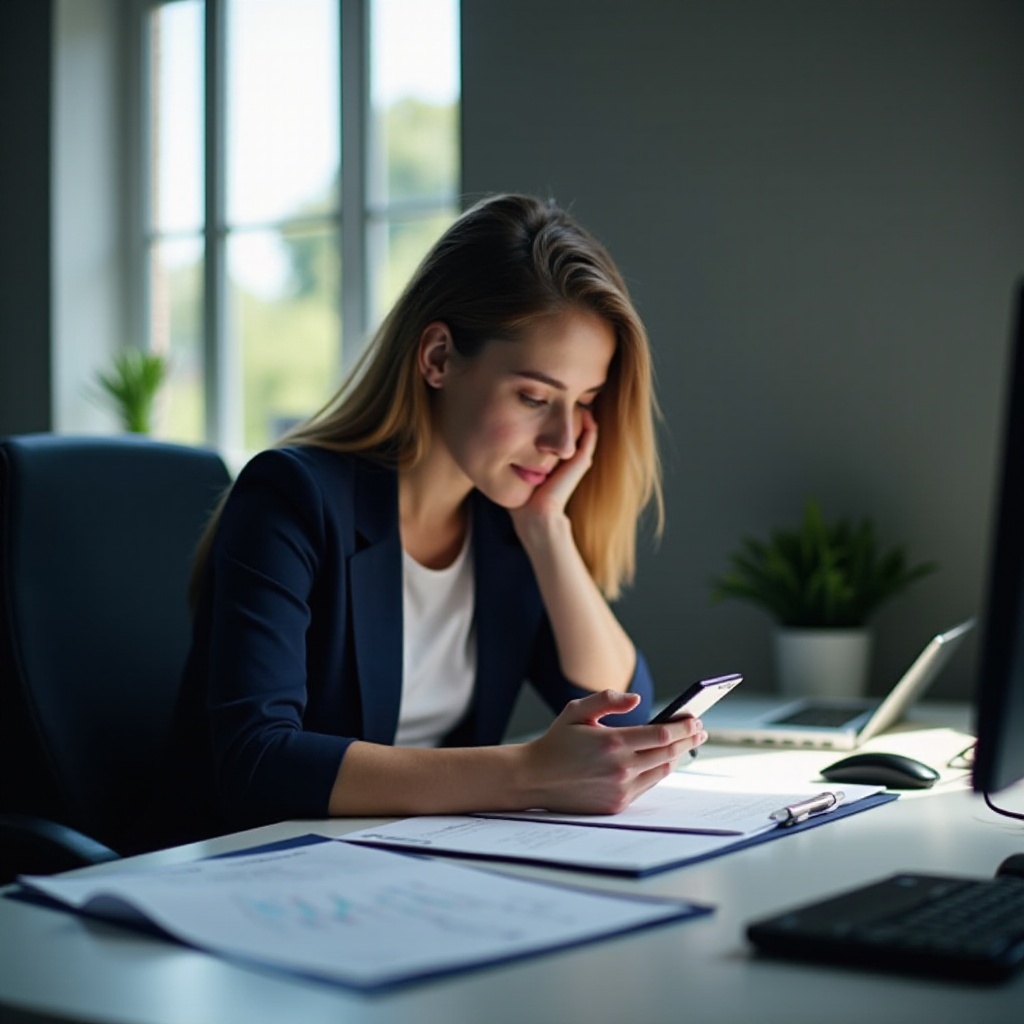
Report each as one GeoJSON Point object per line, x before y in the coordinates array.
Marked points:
{"type": "Point", "coordinates": [439, 648]}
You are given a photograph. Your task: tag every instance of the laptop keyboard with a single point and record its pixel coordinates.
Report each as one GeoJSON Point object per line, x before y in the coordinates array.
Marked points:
{"type": "Point", "coordinates": [954, 927]}
{"type": "Point", "coordinates": [822, 717]}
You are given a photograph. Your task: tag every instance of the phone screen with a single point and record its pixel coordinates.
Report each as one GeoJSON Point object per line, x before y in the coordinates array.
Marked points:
{"type": "Point", "coordinates": [698, 697]}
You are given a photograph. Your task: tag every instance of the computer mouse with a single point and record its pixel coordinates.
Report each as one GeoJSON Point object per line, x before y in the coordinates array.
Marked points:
{"type": "Point", "coordinates": [876, 768]}
{"type": "Point", "coordinates": [1013, 865]}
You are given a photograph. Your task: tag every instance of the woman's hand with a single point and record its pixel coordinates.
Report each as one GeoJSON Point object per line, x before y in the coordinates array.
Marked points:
{"type": "Point", "coordinates": [582, 767]}
{"type": "Point", "coordinates": [550, 498]}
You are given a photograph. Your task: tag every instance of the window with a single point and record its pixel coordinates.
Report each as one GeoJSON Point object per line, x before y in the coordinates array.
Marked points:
{"type": "Point", "coordinates": [299, 157]}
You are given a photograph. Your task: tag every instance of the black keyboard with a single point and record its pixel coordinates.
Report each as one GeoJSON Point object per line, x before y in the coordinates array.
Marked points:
{"type": "Point", "coordinates": [925, 924]}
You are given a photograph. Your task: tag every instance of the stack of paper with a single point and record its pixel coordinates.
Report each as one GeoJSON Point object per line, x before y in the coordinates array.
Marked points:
{"type": "Point", "coordinates": [721, 806]}
{"type": "Point", "coordinates": [362, 917]}
{"type": "Point", "coordinates": [371, 918]}
{"type": "Point", "coordinates": [685, 818]}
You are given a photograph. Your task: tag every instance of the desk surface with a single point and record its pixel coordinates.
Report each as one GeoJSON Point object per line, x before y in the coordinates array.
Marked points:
{"type": "Point", "coordinates": [55, 966]}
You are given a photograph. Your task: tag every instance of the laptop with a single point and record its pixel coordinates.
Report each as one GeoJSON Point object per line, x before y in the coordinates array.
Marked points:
{"type": "Point", "coordinates": [827, 722]}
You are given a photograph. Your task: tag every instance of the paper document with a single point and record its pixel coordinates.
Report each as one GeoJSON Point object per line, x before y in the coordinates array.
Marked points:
{"type": "Point", "coordinates": [621, 851]}
{"type": "Point", "coordinates": [704, 804]}
{"type": "Point", "coordinates": [355, 915]}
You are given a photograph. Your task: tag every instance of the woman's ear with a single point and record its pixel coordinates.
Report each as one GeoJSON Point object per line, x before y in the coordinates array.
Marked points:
{"type": "Point", "coordinates": [435, 353]}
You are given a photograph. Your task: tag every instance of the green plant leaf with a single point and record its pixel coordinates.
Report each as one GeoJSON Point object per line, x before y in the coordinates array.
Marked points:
{"type": "Point", "coordinates": [131, 384]}
{"type": "Point", "coordinates": [820, 574]}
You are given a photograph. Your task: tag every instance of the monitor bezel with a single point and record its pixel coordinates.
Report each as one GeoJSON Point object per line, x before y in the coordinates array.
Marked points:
{"type": "Point", "coordinates": [999, 686]}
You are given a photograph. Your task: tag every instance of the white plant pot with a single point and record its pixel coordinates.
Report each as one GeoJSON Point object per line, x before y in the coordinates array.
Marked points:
{"type": "Point", "coordinates": [823, 662]}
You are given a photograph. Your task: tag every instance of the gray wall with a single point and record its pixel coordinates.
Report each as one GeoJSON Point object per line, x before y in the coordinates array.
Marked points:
{"type": "Point", "coordinates": [818, 205]}
{"type": "Point", "coordinates": [91, 314]}
{"type": "Point", "coordinates": [63, 251]}
{"type": "Point", "coordinates": [25, 160]}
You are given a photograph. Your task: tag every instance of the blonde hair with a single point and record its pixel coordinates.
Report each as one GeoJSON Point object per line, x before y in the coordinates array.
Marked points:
{"type": "Point", "coordinates": [507, 262]}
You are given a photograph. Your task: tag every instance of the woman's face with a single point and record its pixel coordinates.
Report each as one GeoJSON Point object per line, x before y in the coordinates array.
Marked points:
{"type": "Point", "coordinates": [508, 416]}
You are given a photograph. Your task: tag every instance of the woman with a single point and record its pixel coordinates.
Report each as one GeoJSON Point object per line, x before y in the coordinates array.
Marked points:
{"type": "Point", "coordinates": [374, 591]}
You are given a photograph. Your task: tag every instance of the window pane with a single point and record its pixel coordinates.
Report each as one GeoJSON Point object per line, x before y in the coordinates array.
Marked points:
{"type": "Point", "coordinates": [414, 120]}
{"type": "Point", "coordinates": [282, 109]}
{"type": "Point", "coordinates": [176, 116]}
{"type": "Point", "coordinates": [395, 249]}
{"type": "Point", "coordinates": [284, 289]}
{"type": "Point", "coordinates": [175, 329]}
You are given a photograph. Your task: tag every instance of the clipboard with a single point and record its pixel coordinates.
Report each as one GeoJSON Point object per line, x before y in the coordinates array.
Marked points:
{"type": "Point", "coordinates": [384, 903]}
{"type": "Point", "coordinates": [656, 863]}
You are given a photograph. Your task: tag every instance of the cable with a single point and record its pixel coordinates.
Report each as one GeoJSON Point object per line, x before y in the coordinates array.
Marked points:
{"type": "Point", "coordinates": [1002, 810]}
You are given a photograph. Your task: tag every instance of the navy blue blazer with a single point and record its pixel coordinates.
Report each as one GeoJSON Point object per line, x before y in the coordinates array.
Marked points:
{"type": "Point", "coordinates": [297, 645]}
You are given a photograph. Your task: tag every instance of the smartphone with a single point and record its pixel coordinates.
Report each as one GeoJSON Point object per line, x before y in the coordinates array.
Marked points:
{"type": "Point", "coordinates": [696, 699]}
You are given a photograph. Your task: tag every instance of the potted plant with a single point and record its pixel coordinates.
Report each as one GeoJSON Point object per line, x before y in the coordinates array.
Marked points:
{"type": "Point", "coordinates": [821, 583]}
{"type": "Point", "coordinates": [131, 385]}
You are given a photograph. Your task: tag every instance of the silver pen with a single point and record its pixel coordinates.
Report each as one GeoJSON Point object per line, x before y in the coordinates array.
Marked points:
{"type": "Point", "coordinates": [801, 811]}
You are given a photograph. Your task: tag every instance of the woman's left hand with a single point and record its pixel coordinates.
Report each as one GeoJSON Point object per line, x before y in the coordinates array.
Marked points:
{"type": "Point", "coordinates": [550, 498]}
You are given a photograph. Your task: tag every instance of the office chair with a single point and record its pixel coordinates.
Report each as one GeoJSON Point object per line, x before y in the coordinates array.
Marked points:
{"type": "Point", "coordinates": [96, 543]}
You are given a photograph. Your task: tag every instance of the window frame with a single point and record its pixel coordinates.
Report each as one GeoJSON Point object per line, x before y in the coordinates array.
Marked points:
{"type": "Point", "coordinates": [356, 217]}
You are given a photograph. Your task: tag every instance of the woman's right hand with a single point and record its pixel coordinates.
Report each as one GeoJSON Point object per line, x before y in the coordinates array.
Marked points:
{"type": "Point", "coordinates": [580, 766]}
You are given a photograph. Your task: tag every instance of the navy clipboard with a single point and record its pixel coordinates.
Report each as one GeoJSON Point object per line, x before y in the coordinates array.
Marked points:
{"type": "Point", "coordinates": [781, 831]}
{"type": "Point", "coordinates": [537, 858]}
{"type": "Point", "coordinates": [814, 821]}
{"type": "Point", "coordinates": [670, 910]}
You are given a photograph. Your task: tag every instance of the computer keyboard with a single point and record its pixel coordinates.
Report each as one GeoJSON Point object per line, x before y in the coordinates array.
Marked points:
{"type": "Point", "coordinates": [821, 717]}
{"type": "Point", "coordinates": [928, 924]}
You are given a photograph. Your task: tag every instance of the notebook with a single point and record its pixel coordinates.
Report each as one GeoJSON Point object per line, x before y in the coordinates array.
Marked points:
{"type": "Point", "coordinates": [826, 722]}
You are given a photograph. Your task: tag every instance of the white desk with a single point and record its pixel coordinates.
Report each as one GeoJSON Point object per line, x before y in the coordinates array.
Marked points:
{"type": "Point", "coordinates": [54, 966]}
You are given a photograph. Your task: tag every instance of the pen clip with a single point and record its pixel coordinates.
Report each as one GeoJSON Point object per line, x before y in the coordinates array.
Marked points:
{"type": "Point", "coordinates": [793, 814]}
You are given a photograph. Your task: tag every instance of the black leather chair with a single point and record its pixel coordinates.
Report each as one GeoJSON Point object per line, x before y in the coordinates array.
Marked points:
{"type": "Point", "coordinates": [96, 542]}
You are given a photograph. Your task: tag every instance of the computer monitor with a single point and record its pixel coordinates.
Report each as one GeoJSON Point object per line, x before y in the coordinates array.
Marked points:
{"type": "Point", "coordinates": [999, 693]}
